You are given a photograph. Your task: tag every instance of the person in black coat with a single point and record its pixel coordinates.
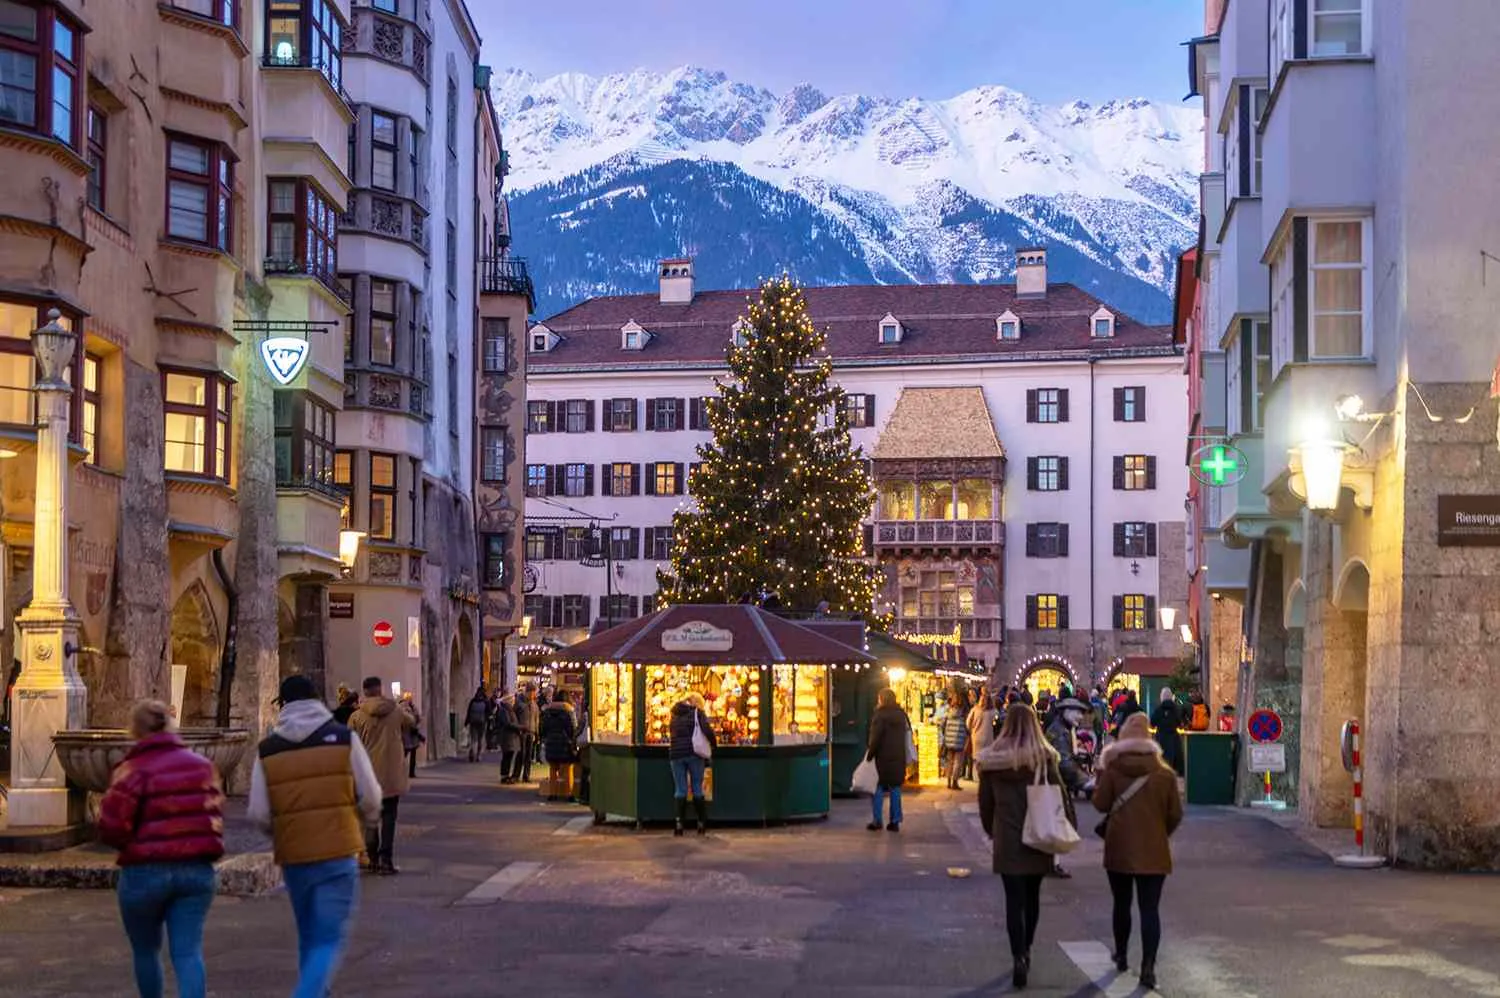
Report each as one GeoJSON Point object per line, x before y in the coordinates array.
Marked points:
{"type": "Point", "coordinates": [687, 765]}
{"type": "Point", "coordinates": [890, 729]}
{"type": "Point", "coordinates": [558, 731]}
{"type": "Point", "coordinates": [1167, 720]}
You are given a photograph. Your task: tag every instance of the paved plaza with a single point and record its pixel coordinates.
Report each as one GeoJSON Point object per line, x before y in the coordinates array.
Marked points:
{"type": "Point", "coordinates": [501, 894]}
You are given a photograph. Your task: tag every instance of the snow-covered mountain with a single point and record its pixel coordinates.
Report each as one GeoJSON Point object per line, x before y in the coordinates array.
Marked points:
{"type": "Point", "coordinates": [609, 174]}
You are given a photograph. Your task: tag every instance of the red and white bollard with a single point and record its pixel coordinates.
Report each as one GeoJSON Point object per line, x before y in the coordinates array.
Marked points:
{"type": "Point", "coordinates": [1352, 762]}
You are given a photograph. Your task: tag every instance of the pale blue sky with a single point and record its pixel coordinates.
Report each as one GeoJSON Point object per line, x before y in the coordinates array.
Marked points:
{"type": "Point", "coordinates": [1053, 50]}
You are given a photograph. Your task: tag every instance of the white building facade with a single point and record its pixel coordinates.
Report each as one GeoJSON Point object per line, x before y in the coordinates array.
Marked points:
{"type": "Point", "coordinates": [1026, 448]}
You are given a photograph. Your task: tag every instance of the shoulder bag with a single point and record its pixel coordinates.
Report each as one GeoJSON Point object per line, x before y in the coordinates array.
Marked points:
{"type": "Point", "coordinates": [702, 747]}
{"type": "Point", "coordinates": [1102, 828]}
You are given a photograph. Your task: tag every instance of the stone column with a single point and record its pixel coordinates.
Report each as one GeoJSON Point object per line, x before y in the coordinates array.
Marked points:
{"type": "Point", "coordinates": [49, 696]}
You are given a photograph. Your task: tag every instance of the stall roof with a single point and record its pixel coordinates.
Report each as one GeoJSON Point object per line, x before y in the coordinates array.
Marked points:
{"type": "Point", "coordinates": [910, 656]}
{"type": "Point", "coordinates": [758, 637]}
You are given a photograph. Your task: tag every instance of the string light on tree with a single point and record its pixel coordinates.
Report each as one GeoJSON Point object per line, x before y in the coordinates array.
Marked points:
{"type": "Point", "coordinates": [779, 498]}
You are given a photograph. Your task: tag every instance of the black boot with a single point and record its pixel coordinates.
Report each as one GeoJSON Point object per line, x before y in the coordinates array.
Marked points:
{"type": "Point", "coordinates": [681, 815]}
{"type": "Point", "coordinates": [1022, 970]}
{"type": "Point", "coordinates": [701, 807]}
{"type": "Point", "coordinates": [1148, 975]}
{"type": "Point", "coordinates": [1122, 962]}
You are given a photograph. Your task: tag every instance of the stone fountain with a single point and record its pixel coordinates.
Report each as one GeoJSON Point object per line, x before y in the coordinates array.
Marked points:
{"type": "Point", "coordinates": [88, 756]}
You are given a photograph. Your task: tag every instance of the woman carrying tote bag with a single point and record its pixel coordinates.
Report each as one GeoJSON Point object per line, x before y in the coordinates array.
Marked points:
{"type": "Point", "coordinates": [1137, 791]}
{"type": "Point", "coordinates": [691, 746]}
{"type": "Point", "coordinates": [1009, 767]}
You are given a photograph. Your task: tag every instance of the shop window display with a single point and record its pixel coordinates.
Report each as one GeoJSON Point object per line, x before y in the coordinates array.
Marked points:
{"type": "Point", "coordinates": [800, 715]}
{"type": "Point", "coordinates": [730, 692]}
{"type": "Point", "coordinates": [612, 707]}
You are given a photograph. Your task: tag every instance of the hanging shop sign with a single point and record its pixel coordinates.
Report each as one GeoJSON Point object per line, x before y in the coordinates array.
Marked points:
{"type": "Point", "coordinates": [284, 356]}
{"type": "Point", "coordinates": [1218, 465]}
{"type": "Point", "coordinates": [697, 635]}
{"type": "Point", "coordinates": [1468, 521]}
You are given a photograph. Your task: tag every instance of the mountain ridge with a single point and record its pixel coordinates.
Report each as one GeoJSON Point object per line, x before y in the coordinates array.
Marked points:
{"type": "Point", "coordinates": [903, 190]}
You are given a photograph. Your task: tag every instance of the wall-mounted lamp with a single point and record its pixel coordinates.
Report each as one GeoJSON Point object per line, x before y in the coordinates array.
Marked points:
{"type": "Point", "coordinates": [895, 674]}
{"type": "Point", "coordinates": [1167, 617]}
{"type": "Point", "coordinates": [1321, 469]}
{"type": "Point", "coordinates": [349, 550]}
{"type": "Point", "coordinates": [525, 625]}
{"type": "Point", "coordinates": [1187, 634]}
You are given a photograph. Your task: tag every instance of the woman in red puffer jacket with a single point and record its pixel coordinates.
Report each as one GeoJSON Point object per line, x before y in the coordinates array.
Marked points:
{"type": "Point", "coordinates": [164, 812]}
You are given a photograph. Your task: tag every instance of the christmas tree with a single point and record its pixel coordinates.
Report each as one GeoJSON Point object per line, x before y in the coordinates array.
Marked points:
{"type": "Point", "coordinates": [780, 495]}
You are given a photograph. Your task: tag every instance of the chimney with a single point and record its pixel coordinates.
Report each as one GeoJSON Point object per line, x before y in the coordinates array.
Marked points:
{"type": "Point", "coordinates": [1031, 272]}
{"type": "Point", "coordinates": [677, 281]}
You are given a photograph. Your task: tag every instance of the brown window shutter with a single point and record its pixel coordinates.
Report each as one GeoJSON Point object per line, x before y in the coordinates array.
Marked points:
{"type": "Point", "coordinates": [869, 410]}
{"type": "Point", "coordinates": [678, 477]}
{"type": "Point", "coordinates": [607, 417]}
{"type": "Point", "coordinates": [1062, 540]}
{"type": "Point", "coordinates": [1031, 613]}
{"type": "Point", "coordinates": [1150, 612]}
{"type": "Point", "coordinates": [651, 414]}
{"type": "Point", "coordinates": [648, 470]}
{"type": "Point", "coordinates": [1151, 471]}
{"type": "Point", "coordinates": [1151, 540]}
{"type": "Point", "coordinates": [1062, 405]}
{"type": "Point", "coordinates": [1062, 613]}
{"type": "Point", "coordinates": [1031, 473]}
{"type": "Point", "coordinates": [1140, 400]}
{"type": "Point", "coordinates": [1119, 405]}
{"type": "Point", "coordinates": [693, 406]}
{"type": "Point", "coordinates": [635, 479]}
{"type": "Point", "coordinates": [1119, 618]}
{"type": "Point", "coordinates": [1119, 540]}
{"type": "Point", "coordinates": [588, 419]}
{"type": "Point", "coordinates": [606, 480]}
{"type": "Point", "coordinates": [1031, 540]}
{"type": "Point", "coordinates": [1031, 405]}
{"type": "Point", "coordinates": [1119, 474]}
{"type": "Point", "coordinates": [588, 479]}
{"type": "Point", "coordinates": [1062, 474]}
{"type": "Point", "coordinates": [681, 413]}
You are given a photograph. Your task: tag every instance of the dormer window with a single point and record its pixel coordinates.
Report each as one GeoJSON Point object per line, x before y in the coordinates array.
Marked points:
{"type": "Point", "coordinates": [739, 333]}
{"type": "Point", "coordinates": [1102, 324]}
{"type": "Point", "coordinates": [890, 330]}
{"type": "Point", "coordinates": [541, 339]}
{"type": "Point", "coordinates": [1008, 326]}
{"type": "Point", "coordinates": [633, 336]}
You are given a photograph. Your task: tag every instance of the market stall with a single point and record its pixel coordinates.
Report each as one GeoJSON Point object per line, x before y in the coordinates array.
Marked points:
{"type": "Point", "coordinates": [766, 684]}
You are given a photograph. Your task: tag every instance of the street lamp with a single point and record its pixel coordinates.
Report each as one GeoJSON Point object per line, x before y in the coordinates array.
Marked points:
{"type": "Point", "coordinates": [49, 696]}
{"type": "Point", "coordinates": [1322, 455]}
{"type": "Point", "coordinates": [1168, 617]}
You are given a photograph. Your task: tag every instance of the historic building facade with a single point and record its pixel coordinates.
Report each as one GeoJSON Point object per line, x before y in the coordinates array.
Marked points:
{"type": "Point", "coordinates": [1351, 244]}
{"type": "Point", "coordinates": [1024, 443]}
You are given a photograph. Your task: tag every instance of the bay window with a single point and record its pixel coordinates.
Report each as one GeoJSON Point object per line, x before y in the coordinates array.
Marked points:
{"type": "Point", "coordinates": [1327, 29]}
{"type": "Point", "coordinates": [307, 34]}
{"type": "Point", "coordinates": [1337, 27]}
{"type": "Point", "coordinates": [304, 441]}
{"type": "Point", "coordinates": [18, 320]}
{"type": "Point", "coordinates": [382, 151]}
{"type": "Point", "coordinates": [302, 231]}
{"type": "Point", "coordinates": [200, 191]}
{"type": "Point", "coordinates": [1338, 288]}
{"type": "Point", "coordinates": [41, 53]}
{"type": "Point", "coordinates": [225, 12]}
{"type": "Point", "coordinates": [1247, 376]}
{"type": "Point", "coordinates": [382, 497]}
{"type": "Point", "coordinates": [898, 500]}
{"type": "Point", "coordinates": [496, 346]}
{"type": "Point", "coordinates": [197, 408]}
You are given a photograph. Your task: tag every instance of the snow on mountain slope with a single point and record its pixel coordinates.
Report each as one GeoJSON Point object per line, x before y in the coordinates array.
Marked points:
{"type": "Point", "coordinates": [929, 190]}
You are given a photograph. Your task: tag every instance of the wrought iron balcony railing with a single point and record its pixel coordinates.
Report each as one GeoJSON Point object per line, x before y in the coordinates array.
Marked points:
{"type": "Point", "coordinates": [505, 276]}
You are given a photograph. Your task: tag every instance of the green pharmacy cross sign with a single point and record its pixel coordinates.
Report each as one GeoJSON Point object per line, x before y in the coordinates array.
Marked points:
{"type": "Point", "coordinates": [1219, 464]}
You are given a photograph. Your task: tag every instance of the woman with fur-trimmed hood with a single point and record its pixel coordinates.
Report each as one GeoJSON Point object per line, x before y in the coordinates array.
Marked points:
{"type": "Point", "coordinates": [1138, 791]}
{"type": "Point", "coordinates": [1007, 767]}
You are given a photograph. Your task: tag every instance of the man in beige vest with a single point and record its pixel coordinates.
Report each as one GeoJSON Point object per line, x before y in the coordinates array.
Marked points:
{"type": "Point", "coordinates": [382, 726]}
{"type": "Point", "coordinates": [311, 784]}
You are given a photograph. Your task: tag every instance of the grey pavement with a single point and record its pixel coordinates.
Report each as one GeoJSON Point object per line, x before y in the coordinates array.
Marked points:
{"type": "Point", "coordinates": [501, 894]}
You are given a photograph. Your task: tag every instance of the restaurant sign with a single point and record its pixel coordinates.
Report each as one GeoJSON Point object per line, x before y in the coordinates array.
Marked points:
{"type": "Point", "coordinates": [697, 635]}
{"type": "Point", "coordinates": [1468, 521]}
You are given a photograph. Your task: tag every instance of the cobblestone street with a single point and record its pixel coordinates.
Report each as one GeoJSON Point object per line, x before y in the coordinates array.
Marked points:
{"type": "Point", "coordinates": [500, 894]}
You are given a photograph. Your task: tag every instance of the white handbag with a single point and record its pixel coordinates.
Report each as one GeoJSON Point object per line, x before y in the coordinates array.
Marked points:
{"type": "Point", "coordinates": [866, 777]}
{"type": "Point", "coordinates": [911, 747]}
{"type": "Point", "coordinates": [702, 748]}
{"type": "Point", "coordinates": [1047, 828]}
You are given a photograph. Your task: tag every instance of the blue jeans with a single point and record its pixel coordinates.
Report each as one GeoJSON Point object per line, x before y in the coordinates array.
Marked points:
{"type": "Point", "coordinates": [877, 802]}
{"type": "Point", "coordinates": [323, 897]}
{"type": "Point", "coordinates": [685, 768]}
{"type": "Point", "coordinates": [176, 895]}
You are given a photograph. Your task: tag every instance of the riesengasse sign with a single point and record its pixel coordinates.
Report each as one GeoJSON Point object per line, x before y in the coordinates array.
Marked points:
{"type": "Point", "coordinates": [1468, 521]}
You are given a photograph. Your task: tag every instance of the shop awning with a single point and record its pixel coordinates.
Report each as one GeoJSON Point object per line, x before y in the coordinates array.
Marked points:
{"type": "Point", "coordinates": [713, 634]}
{"type": "Point", "coordinates": [1147, 665]}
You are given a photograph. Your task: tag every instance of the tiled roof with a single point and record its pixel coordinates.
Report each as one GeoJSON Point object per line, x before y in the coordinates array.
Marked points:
{"type": "Point", "coordinates": [939, 321]}
{"type": "Point", "coordinates": [937, 423]}
{"type": "Point", "coordinates": [759, 638]}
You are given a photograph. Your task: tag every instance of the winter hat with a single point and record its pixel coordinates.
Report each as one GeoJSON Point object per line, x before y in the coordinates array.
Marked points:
{"type": "Point", "coordinates": [294, 688]}
{"type": "Point", "coordinates": [1070, 703]}
{"type": "Point", "coordinates": [1135, 726]}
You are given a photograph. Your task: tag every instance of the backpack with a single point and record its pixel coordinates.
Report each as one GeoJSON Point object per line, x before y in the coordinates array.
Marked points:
{"type": "Point", "coordinates": [1199, 720]}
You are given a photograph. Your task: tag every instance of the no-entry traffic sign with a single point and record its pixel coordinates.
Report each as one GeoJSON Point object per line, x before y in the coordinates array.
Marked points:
{"type": "Point", "coordinates": [383, 633]}
{"type": "Point", "coordinates": [1264, 726]}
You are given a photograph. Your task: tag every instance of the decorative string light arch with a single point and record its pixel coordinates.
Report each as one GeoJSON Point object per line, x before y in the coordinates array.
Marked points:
{"type": "Point", "coordinates": [1036, 662]}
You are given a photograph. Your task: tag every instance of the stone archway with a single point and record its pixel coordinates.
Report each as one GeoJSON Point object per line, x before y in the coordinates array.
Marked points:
{"type": "Point", "coordinates": [1045, 672]}
{"type": "Point", "coordinates": [468, 650]}
{"type": "Point", "coordinates": [196, 644]}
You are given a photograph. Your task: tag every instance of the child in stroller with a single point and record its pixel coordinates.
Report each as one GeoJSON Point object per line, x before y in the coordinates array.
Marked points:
{"type": "Point", "coordinates": [1085, 758]}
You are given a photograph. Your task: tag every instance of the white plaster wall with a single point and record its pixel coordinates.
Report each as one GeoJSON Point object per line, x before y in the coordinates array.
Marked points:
{"type": "Point", "coordinates": [383, 258]}
{"type": "Point", "coordinates": [1005, 386]}
{"type": "Point", "coordinates": [1242, 284]}
{"type": "Point", "coordinates": [1243, 42]}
